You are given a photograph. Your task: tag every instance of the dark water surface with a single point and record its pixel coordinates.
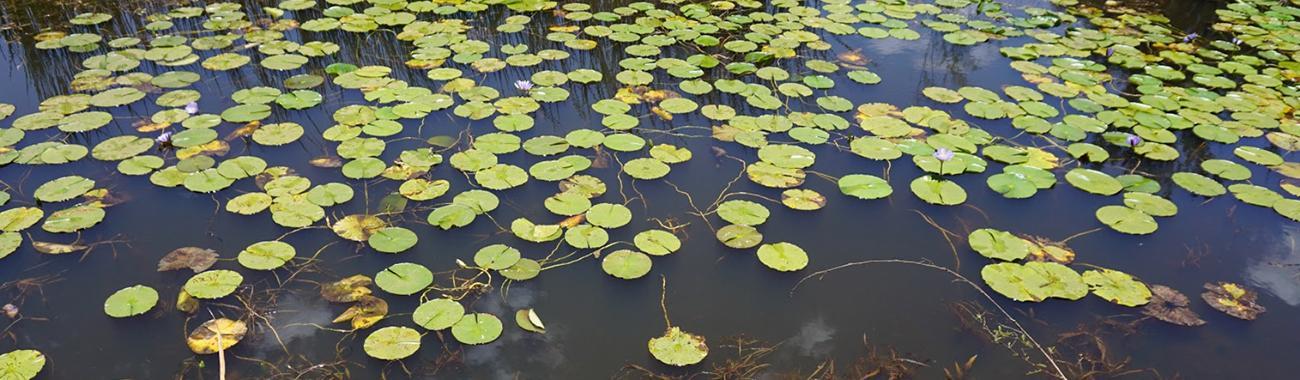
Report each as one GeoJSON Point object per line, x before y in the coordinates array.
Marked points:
{"type": "Point", "coordinates": [598, 324]}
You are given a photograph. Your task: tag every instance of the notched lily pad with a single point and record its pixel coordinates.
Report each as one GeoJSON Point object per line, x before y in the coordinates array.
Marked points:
{"type": "Point", "coordinates": [678, 348]}
{"type": "Point", "coordinates": [1233, 299]}
{"type": "Point", "coordinates": [195, 258]}
{"type": "Point", "coordinates": [1171, 306]}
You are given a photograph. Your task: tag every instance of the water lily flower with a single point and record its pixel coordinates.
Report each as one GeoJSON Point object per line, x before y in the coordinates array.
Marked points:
{"type": "Point", "coordinates": [1236, 41]}
{"type": "Point", "coordinates": [943, 154]}
{"type": "Point", "coordinates": [1109, 51]}
{"type": "Point", "coordinates": [1190, 37]}
{"type": "Point", "coordinates": [192, 108]}
{"type": "Point", "coordinates": [1133, 140]}
{"type": "Point", "coordinates": [164, 138]}
{"type": "Point", "coordinates": [523, 85]}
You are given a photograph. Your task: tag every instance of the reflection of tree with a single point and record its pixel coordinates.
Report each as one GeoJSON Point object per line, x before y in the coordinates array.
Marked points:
{"type": "Point", "coordinates": [50, 70]}
{"type": "Point", "coordinates": [1184, 15]}
{"type": "Point", "coordinates": [944, 64]}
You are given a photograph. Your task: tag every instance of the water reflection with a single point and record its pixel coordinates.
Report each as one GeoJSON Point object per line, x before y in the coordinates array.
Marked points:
{"type": "Point", "coordinates": [1278, 272]}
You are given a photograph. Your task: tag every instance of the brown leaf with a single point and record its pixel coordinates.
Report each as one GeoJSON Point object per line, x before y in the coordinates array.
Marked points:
{"type": "Point", "coordinates": [216, 335]}
{"type": "Point", "coordinates": [365, 313]}
{"type": "Point", "coordinates": [1170, 305]}
{"type": "Point", "coordinates": [186, 303]}
{"type": "Point", "coordinates": [1041, 249]}
{"type": "Point", "coordinates": [661, 113]}
{"type": "Point", "coordinates": [195, 258]}
{"type": "Point", "coordinates": [271, 174]}
{"type": "Point", "coordinates": [346, 290]}
{"type": "Point", "coordinates": [245, 130]}
{"type": "Point", "coordinates": [56, 248]}
{"type": "Point", "coordinates": [1232, 299]}
{"type": "Point", "coordinates": [573, 221]}
{"type": "Point", "coordinates": [326, 162]}
{"type": "Point", "coordinates": [602, 159]}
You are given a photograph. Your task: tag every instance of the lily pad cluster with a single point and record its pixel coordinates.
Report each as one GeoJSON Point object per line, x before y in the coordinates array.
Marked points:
{"type": "Point", "coordinates": [1045, 273]}
{"type": "Point", "coordinates": [759, 78]}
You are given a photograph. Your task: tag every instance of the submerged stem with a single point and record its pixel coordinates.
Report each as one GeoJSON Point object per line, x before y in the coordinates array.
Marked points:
{"type": "Point", "coordinates": [1059, 373]}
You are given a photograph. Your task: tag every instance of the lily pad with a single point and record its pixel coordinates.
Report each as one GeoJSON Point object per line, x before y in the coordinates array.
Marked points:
{"type": "Point", "coordinates": [130, 301]}
{"type": "Point", "coordinates": [626, 264]}
{"type": "Point", "coordinates": [404, 278]}
{"type": "Point", "coordinates": [438, 314]}
{"type": "Point", "coordinates": [216, 335]}
{"type": "Point", "coordinates": [1117, 287]}
{"type": "Point", "coordinates": [1232, 299]}
{"type": "Point", "coordinates": [392, 240]}
{"type": "Point", "coordinates": [21, 364]}
{"type": "Point", "coordinates": [266, 255]}
{"type": "Point", "coordinates": [392, 343]}
{"type": "Point", "coordinates": [678, 348]}
{"type": "Point", "coordinates": [477, 328]}
{"type": "Point", "coordinates": [213, 284]}
{"type": "Point", "coordinates": [784, 257]}
{"type": "Point", "coordinates": [999, 245]}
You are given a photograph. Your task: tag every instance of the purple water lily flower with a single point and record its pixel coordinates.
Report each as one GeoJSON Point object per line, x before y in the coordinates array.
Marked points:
{"type": "Point", "coordinates": [192, 108]}
{"type": "Point", "coordinates": [943, 154]}
{"type": "Point", "coordinates": [1133, 140]}
{"type": "Point", "coordinates": [1236, 41]}
{"type": "Point", "coordinates": [164, 138]}
{"type": "Point", "coordinates": [1190, 37]}
{"type": "Point", "coordinates": [1110, 51]}
{"type": "Point", "coordinates": [523, 85]}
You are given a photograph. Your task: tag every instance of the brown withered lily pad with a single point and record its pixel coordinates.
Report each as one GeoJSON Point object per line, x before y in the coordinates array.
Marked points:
{"type": "Point", "coordinates": [1170, 305]}
{"type": "Point", "coordinates": [348, 289]}
{"type": "Point", "coordinates": [216, 335]}
{"type": "Point", "coordinates": [194, 258]}
{"type": "Point", "coordinates": [1233, 299]}
{"type": "Point", "coordinates": [367, 311]}
{"type": "Point", "coordinates": [57, 248]}
{"type": "Point", "coordinates": [326, 162]}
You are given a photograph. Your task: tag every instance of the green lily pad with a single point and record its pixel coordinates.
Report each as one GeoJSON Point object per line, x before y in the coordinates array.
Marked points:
{"type": "Point", "coordinates": [130, 301]}
{"type": "Point", "coordinates": [742, 212]}
{"type": "Point", "coordinates": [404, 278]}
{"type": "Point", "coordinates": [213, 284]}
{"type": "Point", "coordinates": [63, 188]}
{"type": "Point", "coordinates": [496, 257]}
{"type": "Point", "coordinates": [392, 343]}
{"type": "Point", "coordinates": [678, 348]}
{"type": "Point", "coordinates": [1093, 181]}
{"type": "Point", "coordinates": [626, 264]}
{"type": "Point", "coordinates": [73, 219]}
{"type": "Point", "coordinates": [657, 242]}
{"type": "Point", "coordinates": [266, 255]}
{"type": "Point", "coordinates": [21, 364]}
{"type": "Point", "coordinates": [863, 186]}
{"type": "Point", "coordinates": [1198, 184]}
{"type": "Point", "coordinates": [938, 191]}
{"type": "Point", "coordinates": [609, 215]}
{"type": "Point", "coordinates": [477, 328]}
{"type": "Point", "coordinates": [392, 240]}
{"type": "Point", "coordinates": [438, 314]}
{"type": "Point", "coordinates": [1015, 281]}
{"type": "Point", "coordinates": [999, 245]}
{"type": "Point", "coordinates": [1127, 220]}
{"type": "Point", "coordinates": [783, 256]}
{"type": "Point", "coordinates": [1117, 287]}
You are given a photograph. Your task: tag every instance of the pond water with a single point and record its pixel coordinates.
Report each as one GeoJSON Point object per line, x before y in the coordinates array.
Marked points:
{"type": "Point", "coordinates": [888, 318]}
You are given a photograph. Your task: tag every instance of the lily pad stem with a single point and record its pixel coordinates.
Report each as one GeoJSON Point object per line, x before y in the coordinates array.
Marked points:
{"type": "Point", "coordinates": [1059, 373]}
